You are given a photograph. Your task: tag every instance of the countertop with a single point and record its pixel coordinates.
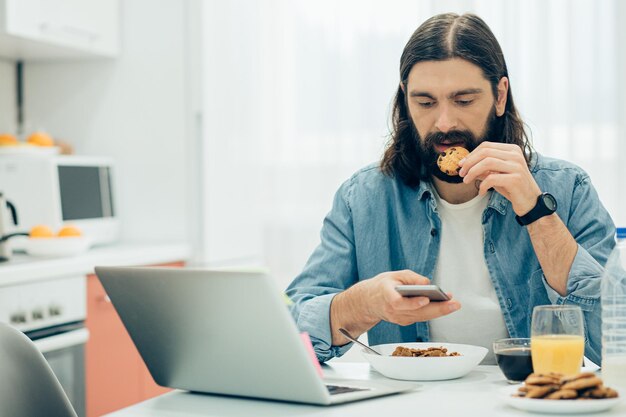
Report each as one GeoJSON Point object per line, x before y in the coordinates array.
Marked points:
{"type": "Point", "coordinates": [24, 268]}
{"type": "Point", "coordinates": [479, 394]}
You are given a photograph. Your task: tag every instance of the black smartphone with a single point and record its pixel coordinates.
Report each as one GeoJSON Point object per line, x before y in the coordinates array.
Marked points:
{"type": "Point", "coordinates": [433, 292]}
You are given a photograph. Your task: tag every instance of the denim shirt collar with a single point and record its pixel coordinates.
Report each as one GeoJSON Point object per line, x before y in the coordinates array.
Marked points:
{"type": "Point", "coordinates": [497, 201]}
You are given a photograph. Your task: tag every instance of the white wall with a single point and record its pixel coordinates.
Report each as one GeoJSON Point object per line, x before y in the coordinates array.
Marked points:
{"type": "Point", "coordinates": [133, 108]}
{"type": "Point", "coordinates": [232, 117]}
{"type": "Point", "coordinates": [7, 97]}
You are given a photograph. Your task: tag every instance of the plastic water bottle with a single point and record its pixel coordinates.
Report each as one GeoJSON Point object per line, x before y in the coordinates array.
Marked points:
{"type": "Point", "coordinates": [614, 317]}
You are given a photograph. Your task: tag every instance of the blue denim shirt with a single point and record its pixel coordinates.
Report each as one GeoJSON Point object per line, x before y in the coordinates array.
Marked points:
{"type": "Point", "coordinates": [379, 224]}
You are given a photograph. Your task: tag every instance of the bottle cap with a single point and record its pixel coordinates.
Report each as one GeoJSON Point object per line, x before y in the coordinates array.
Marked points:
{"type": "Point", "coordinates": [621, 233]}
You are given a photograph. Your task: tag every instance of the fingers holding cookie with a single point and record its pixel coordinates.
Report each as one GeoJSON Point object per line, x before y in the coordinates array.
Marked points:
{"type": "Point", "coordinates": [502, 167]}
{"type": "Point", "coordinates": [493, 150]}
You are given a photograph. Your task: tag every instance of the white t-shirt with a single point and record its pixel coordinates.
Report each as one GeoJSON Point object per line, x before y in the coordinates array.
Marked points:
{"type": "Point", "coordinates": [461, 270]}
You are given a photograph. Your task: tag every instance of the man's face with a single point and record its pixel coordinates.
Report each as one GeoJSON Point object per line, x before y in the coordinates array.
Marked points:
{"type": "Point", "coordinates": [450, 103]}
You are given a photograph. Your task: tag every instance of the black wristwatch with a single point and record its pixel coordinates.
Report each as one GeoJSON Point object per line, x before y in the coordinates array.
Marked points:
{"type": "Point", "coordinates": [546, 205]}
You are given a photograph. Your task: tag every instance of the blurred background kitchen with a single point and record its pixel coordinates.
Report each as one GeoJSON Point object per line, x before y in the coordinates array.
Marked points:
{"type": "Point", "coordinates": [223, 129]}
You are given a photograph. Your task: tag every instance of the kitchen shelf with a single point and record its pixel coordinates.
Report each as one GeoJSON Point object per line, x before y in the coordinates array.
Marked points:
{"type": "Point", "coordinates": [34, 30]}
{"type": "Point", "coordinates": [23, 268]}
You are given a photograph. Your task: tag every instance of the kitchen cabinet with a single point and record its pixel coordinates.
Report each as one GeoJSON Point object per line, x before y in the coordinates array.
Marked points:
{"type": "Point", "coordinates": [47, 29]}
{"type": "Point", "coordinates": [116, 376]}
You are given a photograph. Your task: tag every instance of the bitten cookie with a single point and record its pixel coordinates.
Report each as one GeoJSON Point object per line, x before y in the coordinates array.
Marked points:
{"type": "Point", "coordinates": [448, 160]}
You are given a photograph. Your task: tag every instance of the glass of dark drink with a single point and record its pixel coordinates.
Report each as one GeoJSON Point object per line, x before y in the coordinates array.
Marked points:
{"type": "Point", "coordinates": [513, 358]}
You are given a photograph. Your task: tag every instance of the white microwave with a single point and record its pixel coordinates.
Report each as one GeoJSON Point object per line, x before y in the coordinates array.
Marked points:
{"type": "Point", "coordinates": [60, 190]}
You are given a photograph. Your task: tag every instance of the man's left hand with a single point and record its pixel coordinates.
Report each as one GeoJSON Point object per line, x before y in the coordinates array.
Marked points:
{"type": "Point", "coordinates": [502, 166]}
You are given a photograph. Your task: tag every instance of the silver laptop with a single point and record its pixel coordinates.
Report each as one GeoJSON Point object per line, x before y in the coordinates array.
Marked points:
{"type": "Point", "coordinates": [224, 332]}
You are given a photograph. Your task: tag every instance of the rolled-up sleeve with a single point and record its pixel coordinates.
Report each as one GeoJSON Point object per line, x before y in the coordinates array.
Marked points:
{"type": "Point", "coordinates": [314, 318]}
{"type": "Point", "coordinates": [594, 231]}
{"type": "Point", "coordinates": [330, 270]}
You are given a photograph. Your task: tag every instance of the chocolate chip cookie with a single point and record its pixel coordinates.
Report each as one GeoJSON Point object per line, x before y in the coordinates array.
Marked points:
{"type": "Point", "coordinates": [448, 160]}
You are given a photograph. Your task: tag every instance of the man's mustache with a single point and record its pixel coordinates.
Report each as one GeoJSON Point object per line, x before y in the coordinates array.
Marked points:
{"type": "Point", "coordinates": [455, 136]}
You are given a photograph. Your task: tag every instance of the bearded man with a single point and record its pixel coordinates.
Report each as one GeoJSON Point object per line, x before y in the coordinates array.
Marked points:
{"type": "Point", "coordinates": [511, 231]}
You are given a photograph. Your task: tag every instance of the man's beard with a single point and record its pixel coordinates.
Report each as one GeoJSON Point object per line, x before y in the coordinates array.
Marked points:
{"type": "Point", "coordinates": [460, 138]}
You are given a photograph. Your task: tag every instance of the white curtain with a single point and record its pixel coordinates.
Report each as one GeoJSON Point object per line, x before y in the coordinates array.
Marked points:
{"type": "Point", "coordinates": [298, 96]}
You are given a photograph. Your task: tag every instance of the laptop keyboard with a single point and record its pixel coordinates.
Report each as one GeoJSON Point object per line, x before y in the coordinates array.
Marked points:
{"type": "Point", "coordinates": [337, 389]}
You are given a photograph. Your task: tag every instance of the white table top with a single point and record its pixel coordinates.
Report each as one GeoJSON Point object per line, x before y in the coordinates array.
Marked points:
{"type": "Point", "coordinates": [477, 394]}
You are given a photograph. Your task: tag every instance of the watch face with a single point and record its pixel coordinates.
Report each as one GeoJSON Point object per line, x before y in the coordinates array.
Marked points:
{"type": "Point", "coordinates": [549, 201]}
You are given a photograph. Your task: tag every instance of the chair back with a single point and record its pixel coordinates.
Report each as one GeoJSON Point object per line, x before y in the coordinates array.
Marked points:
{"type": "Point", "coordinates": [28, 387]}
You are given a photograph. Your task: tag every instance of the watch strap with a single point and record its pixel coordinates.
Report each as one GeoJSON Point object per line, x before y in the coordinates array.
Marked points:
{"type": "Point", "coordinates": [540, 210]}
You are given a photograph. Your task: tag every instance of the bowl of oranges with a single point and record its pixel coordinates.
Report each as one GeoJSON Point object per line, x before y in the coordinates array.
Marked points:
{"type": "Point", "coordinates": [36, 143]}
{"type": "Point", "coordinates": [67, 241]}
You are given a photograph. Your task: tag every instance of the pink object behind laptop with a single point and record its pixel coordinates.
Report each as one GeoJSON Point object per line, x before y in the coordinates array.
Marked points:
{"type": "Point", "coordinates": [309, 348]}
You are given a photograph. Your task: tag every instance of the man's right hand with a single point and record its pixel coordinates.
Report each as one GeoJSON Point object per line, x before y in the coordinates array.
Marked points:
{"type": "Point", "coordinates": [368, 302]}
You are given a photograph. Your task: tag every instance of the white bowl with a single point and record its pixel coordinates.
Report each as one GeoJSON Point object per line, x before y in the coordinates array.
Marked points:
{"type": "Point", "coordinates": [429, 368]}
{"type": "Point", "coordinates": [57, 246]}
{"type": "Point", "coordinates": [28, 149]}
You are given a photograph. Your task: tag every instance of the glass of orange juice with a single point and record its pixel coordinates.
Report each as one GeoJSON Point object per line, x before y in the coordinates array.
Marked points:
{"type": "Point", "coordinates": [557, 342]}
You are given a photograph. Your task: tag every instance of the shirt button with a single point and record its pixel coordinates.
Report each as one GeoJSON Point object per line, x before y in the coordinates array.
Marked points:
{"type": "Point", "coordinates": [433, 232]}
{"type": "Point", "coordinates": [509, 303]}
{"type": "Point", "coordinates": [492, 248]}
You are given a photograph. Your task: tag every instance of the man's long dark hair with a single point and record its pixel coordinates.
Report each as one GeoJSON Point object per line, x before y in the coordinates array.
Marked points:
{"type": "Point", "coordinates": [443, 37]}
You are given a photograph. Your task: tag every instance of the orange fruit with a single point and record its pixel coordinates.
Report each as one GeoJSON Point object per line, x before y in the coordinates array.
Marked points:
{"type": "Point", "coordinates": [8, 139]}
{"type": "Point", "coordinates": [69, 231]}
{"type": "Point", "coordinates": [41, 231]}
{"type": "Point", "coordinates": [40, 139]}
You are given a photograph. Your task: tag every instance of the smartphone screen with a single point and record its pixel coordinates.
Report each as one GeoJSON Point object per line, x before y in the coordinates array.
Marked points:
{"type": "Point", "coordinates": [433, 292]}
